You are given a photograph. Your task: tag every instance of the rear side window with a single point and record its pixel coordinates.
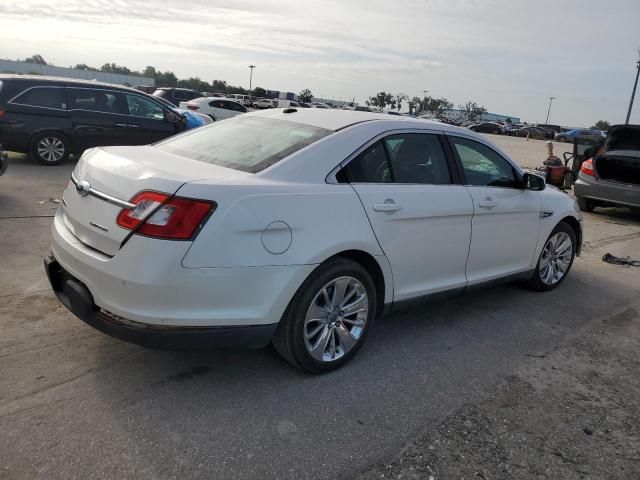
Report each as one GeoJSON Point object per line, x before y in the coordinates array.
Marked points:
{"type": "Point", "coordinates": [402, 158]}
{"type": "Point", "coordinates": [245, 143]}
{"type": "Point", "coordinates": [46, 97]}
{"type": "Point", "coordinates": [371, 166]}
{"type": "Point", "coordinates": [104, 101]}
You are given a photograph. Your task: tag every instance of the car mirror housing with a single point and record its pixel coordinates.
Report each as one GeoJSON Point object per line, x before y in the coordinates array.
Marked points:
{"type": "Point", "coordinates": [172, 117]}
{"type": "Point", "coordinates": [533, 181]}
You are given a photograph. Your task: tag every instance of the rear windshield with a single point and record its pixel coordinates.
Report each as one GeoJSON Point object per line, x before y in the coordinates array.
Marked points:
{"type": "Point", "coordinates": [245, 143]}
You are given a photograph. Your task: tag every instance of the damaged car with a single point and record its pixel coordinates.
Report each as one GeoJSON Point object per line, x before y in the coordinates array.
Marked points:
{"type": "Point", "coordinates": [613, 177]}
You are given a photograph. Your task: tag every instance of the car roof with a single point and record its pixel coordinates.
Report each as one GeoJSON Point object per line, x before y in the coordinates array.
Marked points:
{"type": "Point", "coordinates": [43, 79]}
{"type": "Point", "coordinates": [337, 119]}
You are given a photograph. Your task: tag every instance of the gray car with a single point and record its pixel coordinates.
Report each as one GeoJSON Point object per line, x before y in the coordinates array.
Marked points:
{"type": "Point", "coordinates": [613, 177]}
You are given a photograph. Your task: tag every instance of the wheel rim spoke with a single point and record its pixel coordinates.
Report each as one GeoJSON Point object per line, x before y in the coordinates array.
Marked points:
{"type": "Point", "coordinates": [556, 258]}
{"type": "Point", "coordinates": [339, 290]}
{"type": "Point", "coordinates": [336, 319]}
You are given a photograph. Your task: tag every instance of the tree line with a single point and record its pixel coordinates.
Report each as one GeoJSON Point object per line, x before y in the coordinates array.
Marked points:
{"type": "Point", "coordinates": [427, 105]}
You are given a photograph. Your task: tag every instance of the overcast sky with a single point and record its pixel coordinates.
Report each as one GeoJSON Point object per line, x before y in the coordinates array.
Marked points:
{"type": "Point", "coordinates": [508, 55]}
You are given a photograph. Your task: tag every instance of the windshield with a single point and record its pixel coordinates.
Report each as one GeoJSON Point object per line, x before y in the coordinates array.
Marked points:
{"type": "Point", "coordinates": [245, 143]}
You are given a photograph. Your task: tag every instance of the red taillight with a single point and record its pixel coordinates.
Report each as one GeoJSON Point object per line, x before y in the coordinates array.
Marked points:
{"type": "Point", "coordinates": [162, 216]}
{"type": "Point", "coordinates": [587, 168]}
{"type": "Point", "coordinates": [192, 107]}
{"type": "Point", "coordinates": [2, 112]}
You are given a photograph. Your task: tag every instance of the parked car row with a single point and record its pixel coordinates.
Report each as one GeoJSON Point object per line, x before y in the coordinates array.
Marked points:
{"type": "Point", "coordinates": [51, 118]}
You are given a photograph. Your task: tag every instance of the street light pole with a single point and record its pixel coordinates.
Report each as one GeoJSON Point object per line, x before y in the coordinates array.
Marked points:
{"type": "Point", "coordinates": [424, 101]}
{"type": "Point", "coordinates": [633, 93]}
{"type": "Point", "coordinates": [251, 67]}
{"type": "Point", "coordinates": [551, 99]}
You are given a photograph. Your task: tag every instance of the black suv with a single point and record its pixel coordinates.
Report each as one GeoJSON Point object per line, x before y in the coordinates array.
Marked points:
{"type": "Point", "coordinates": [176, 95]}
{"type": "Point", "coordinates": [51, 117]}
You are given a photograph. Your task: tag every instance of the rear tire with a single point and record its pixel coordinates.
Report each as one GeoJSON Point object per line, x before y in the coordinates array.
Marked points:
{"type": "Point", "coordinates": [337, 334]}
{"type": "Point", "coordinates": [50, 148]}
{"type": "Point", "coordinates": [555, 260]}
{"type": "Point", "coordinates": [585, 204]}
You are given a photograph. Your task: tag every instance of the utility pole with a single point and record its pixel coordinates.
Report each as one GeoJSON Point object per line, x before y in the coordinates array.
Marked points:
{"type": "Point", "coordinates": [251, 67]}
{"type": "Point", "coordinates": [633, 93]}
{"type": "Point", "coordinates": [551, 99]}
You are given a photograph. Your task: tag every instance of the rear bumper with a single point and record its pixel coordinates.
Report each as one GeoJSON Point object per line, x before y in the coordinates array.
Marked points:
{"type": "Point", "coordinates": [607, 192]}
{"type": "Point", "coordinates": [74, 295]}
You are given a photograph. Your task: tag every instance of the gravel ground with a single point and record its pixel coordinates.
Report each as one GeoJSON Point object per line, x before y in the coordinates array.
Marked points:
{"type": "Point", "coordinates": [571, 414]}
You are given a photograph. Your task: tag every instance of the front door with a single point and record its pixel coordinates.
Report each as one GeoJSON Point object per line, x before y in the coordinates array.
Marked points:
{"type": "Point", "coordinates": [98, 117]}
{"type": "Point", "coordinates": [147, 121]}
{"type": "Point", "coordinates": [506, 216]}
{"type": "Point", "coordinates": [422, 220]}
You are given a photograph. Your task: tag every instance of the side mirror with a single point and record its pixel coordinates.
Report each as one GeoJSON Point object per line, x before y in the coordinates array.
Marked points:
{"type": "Point", "coordinates": [533, 181]}
{"type": "Point", "coordinates": [172, 117]}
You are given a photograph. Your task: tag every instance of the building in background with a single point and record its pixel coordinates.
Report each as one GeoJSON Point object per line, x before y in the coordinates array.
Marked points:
{"type": "Point", "coordinates": [12, 66]}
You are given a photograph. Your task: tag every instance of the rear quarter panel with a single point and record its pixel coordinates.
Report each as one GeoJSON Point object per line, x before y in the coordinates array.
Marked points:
{"type": "Point", "coordinates": [316, 221]}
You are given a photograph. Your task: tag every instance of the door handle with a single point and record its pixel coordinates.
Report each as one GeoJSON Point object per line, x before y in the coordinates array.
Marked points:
{"type": "Point", "coordinates": [121, 125]}
{"type": "Point", "coordinates": [387, 206]}
{"type": "Point", "coordinates": [133, 125]}
{"type": "Point", "coordinates": [487, 203]}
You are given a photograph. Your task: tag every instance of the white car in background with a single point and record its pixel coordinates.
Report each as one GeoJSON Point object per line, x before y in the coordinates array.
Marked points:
{"type": "Point", "coordinates": [265, 103]}
{"type": "Point", "coordinates": [298, 226]}
{"type": "Point", "coordinates": [216, 108]}
{"type": "Point", "coordinates": [241, 99]}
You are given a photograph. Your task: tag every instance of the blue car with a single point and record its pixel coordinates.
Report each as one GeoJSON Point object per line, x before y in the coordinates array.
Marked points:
{"type": "Point", "coordinates": [582, 133]}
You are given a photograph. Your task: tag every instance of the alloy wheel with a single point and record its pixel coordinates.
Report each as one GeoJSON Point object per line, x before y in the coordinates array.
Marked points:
{"type": "Point", "coordinates": [51, 149]}
{"type": "Point", "coordinates": [556, 258]}
{"type": "Point", "coordinates": [336, 319]}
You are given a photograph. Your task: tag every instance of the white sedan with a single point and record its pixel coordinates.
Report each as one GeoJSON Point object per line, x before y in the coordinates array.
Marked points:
{"type": "Point", "coordinates": [216, 108]}
{"type": "Point", "coordinates": [299, 227]}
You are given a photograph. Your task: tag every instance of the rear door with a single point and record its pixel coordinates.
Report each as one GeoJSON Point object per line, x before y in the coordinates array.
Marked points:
{"type": "Point", "coordinates": [147, 121]}
{"type": "Point", "coordinates": [506, 216]}
{"type": "Point", "coordinates": [420, 215]}
{"type": "Point", "coordinates": [98, 117]}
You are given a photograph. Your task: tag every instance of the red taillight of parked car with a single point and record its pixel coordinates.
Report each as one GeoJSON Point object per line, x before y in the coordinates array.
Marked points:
{"type": "Point", "coordinates": [192, 107]}
{"type": "Point", "coordinates": [587, 168]}
{"type": "Point", "coordinates": [160, 215]}
{"type": "Point", "coordinates": [2, 112]}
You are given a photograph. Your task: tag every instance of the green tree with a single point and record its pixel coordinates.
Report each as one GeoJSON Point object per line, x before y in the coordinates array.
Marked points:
{"type": "Point", "coordinates": [259, 92]}
{"type": "Point", "coordinates": [601, 125]}
{"type": "Point", "coordinates": [381, 100]}
{"type": "Point", "coordinates": [194, 83]}
{"type": "Point", "coordinates": [149, 71]}
{"type": "Point", "coordinates": [305, 95]}
{"type": "Point", "coordinates": [472, 111]}
{"type": "Point", "coordinates": [84, 66]}
{"type": "Point", "coordinates": [37, 58]}
{"type": "Point", "coordinates": [114, 68]}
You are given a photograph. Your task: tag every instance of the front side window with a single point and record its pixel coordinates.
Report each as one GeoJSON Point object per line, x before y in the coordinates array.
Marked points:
{"type": "Point", "coordinates": [483, 166]}
{"type": "Point", "coordinates": [46, 97]}
{"type": "Point", "coordinates": [105, 101]}
{"type": "Point", "coordinates": [245, 143]}
{"type": "Point", "coordinates": [143, 107]}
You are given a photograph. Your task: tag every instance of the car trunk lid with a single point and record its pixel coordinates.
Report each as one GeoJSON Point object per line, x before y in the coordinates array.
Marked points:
{"type": "Point", "coordinates": [620, 162]}
{"type": "Point", "coordinates": [106, 179]}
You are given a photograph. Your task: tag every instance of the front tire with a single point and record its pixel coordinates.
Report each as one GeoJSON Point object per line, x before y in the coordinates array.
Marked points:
{"type": "Point", "coordinates": [555, 259]}
{"type": "Point", "coordinates": [50, 148]}
{"type": "Point", "coordinates": [328, 318]}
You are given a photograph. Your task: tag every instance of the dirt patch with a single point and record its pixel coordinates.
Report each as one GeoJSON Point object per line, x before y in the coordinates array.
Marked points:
{"type": "Point", "coordinates": [573, 414]}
